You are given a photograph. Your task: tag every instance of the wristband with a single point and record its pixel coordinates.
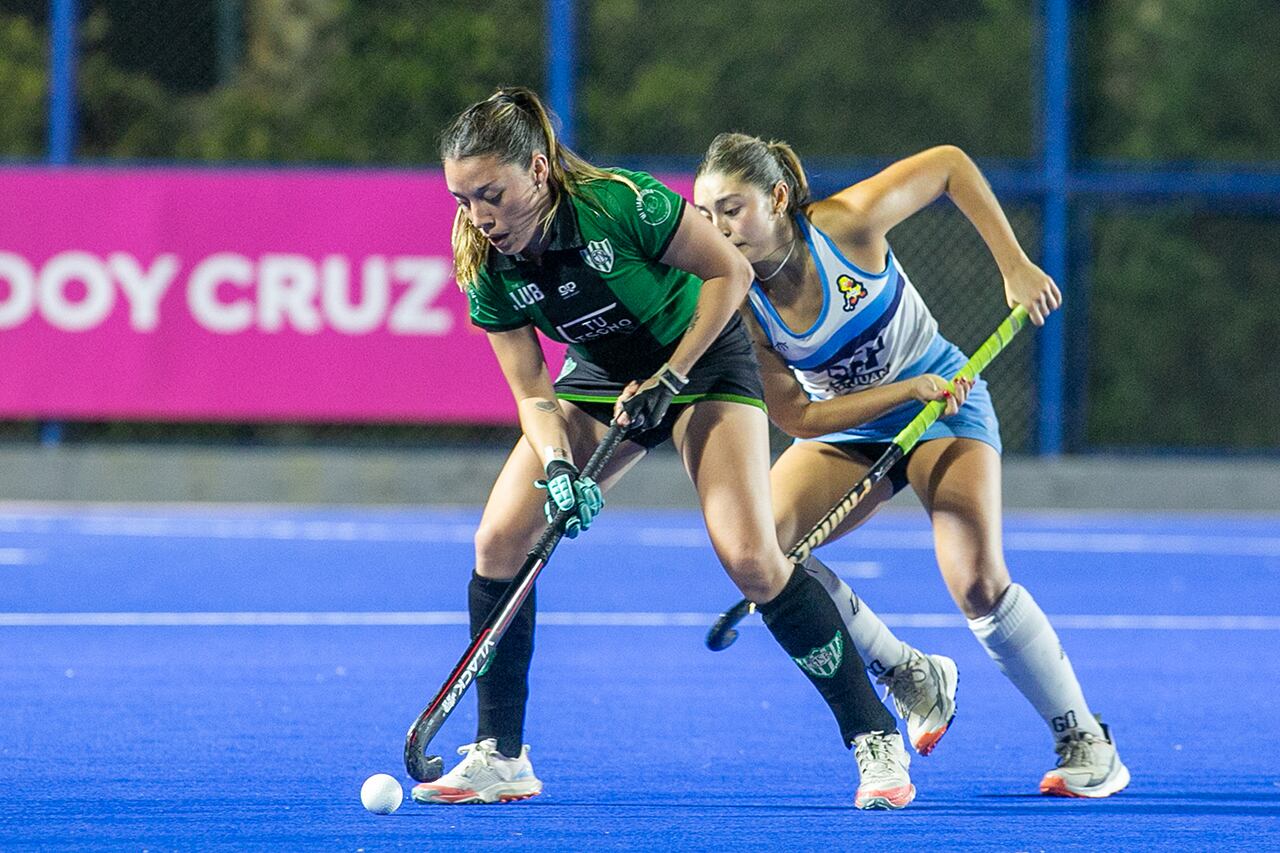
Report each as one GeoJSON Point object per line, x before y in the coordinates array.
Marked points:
{"type": "Point", "coordinates": [674, 381]}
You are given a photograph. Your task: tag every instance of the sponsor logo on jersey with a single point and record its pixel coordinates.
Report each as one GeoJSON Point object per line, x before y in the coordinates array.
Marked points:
{"type": "Point", "coordinates": [862, 369]}
{"type": "Point", "coordinates": [823, 661]}
{"type": "Point", "coordinates": [853, 290]}
{"type": "Point", "coordinates": [569, 288]}
{"type": "Point", "coordinates": [597, 324]}
{"type": "Point", "coordinates": [599, 255]}
{"type": "Point", "coordinates": [653, 206]}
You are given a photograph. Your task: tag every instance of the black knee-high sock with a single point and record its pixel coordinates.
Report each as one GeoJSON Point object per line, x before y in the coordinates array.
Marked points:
{"type": "Point", "coordinates": [503, 688]}
{"type": "Point", "coordinates": [806, 623]}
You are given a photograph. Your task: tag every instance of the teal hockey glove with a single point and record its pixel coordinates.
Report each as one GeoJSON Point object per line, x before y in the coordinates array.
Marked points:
{"type": "Point", "coordinates": [568, 490]}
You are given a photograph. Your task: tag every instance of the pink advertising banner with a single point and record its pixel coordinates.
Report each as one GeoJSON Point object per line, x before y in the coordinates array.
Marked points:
{"type": "Point", "coordinates": [237, 295]}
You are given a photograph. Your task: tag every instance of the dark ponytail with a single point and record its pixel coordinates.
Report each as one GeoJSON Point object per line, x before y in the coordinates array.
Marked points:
{"type": "Point", "coordinates": [760, 164]}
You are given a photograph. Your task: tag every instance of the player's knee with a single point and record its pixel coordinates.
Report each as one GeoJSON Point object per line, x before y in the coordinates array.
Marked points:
{"type": "Point", "coordinates": [980, 594]}
{"type": "Point", "coordinates": [495, 558]}
{"type": "Point", "coordinates": [756, 568]}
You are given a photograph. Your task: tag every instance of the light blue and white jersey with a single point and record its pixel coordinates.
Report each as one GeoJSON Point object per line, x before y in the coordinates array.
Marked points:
{"type": "Point", "coordinates": [871, 325]}
{"type": "Point", "coordinates": [872, 330]}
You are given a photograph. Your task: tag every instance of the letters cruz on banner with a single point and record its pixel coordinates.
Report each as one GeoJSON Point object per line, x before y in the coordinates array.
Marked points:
{"type": "Point", "coordinates": [229, 293]}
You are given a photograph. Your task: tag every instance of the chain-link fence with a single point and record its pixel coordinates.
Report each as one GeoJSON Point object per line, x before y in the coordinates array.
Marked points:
{"type": "Point", "coordinates": [955, 273]}
{"type": "Point", "coordinates": [835, 78]}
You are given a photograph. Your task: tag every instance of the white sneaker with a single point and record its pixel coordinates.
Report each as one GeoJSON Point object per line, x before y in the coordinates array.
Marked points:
{"type": "Point", "coordinates": [882, 768]}
{"type": "Point", "coordinates": [1088, 766]}
{"type": "Point", "coordinates": [484, 775]}
{"type": "Point", "coordinates": [923, 689]}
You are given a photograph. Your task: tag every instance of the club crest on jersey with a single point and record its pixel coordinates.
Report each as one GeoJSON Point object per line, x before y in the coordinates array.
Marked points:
{"type": "Point", "coordinates": [853, 291]}
{"type": "Point", "coordinates": [599, 255]}
{"type": "Point", "coordinates": [823, 661]}
{"type": "Point", "coordinates": [653, 207]}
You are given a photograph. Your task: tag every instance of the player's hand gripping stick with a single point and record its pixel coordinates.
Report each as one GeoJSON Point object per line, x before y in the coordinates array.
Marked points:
{"type": "Point", "coordinates": [570, 491]}
{"type": "Point", "coordinates": [646, 409]}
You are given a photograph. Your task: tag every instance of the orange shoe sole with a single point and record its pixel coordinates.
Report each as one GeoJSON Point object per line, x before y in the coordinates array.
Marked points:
{"type": "Point", "coordinates": [1055, 786]}
{"type": "Point", "coordinates": [887, 799]}
{"type": "Point", "coordinates": [929, 740]}
{"type": "Point", "coordinates": [463, 797]}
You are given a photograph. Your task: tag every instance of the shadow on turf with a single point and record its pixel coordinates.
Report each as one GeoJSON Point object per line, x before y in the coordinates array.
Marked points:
{"type": "Point", "coordinates": [1261, 804]}
{"type": "Point", "coordinates": [1131, 794]}
{"type": "Point", "coordinates": [1254, 804]}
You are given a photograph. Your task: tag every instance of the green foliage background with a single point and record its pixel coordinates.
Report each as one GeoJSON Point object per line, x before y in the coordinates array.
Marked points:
{"type": "Point", "coordinates": [1171, 314]}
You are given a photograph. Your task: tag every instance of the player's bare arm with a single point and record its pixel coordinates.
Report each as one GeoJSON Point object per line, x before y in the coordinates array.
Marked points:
{"type": "Point", "coordinates": [860, 216]}
{"type": "Point", "coordinates": [698, 248]}
{"type": "Point", "coordinates": [541, 418]}
{"type": "Point", "coordinates": [795, 414]}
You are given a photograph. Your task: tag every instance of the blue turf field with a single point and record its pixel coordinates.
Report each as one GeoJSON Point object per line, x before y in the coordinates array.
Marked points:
{"type": "Point", "coordinates": [200, 677]}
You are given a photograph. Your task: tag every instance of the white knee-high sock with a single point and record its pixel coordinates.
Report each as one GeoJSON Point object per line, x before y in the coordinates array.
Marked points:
{"type": "Point", "coordinates": [880, 649]}
{"type": "Point", "coordinates": [1018, 637]}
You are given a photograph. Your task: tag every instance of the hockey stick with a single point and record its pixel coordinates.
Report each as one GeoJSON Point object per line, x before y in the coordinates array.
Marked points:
{"type": "Point", "coordinates": [428, 768]}
{"type": "Point", "coordinates": [724, 632]}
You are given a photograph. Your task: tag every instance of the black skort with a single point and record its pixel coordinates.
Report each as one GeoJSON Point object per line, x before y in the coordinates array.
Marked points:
{"type": "Point", "coordinates": [727, 371]}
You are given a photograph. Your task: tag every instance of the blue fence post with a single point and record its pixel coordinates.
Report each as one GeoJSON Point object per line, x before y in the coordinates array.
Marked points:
{"type": "Point", "coordinates": [62, 81]}
{"type": "Point", "coordinates": [1055, 167]}
{"type": "Point", "coordinates": [561, 66]}
{"type": "Point", "coordinates": [63, 26]}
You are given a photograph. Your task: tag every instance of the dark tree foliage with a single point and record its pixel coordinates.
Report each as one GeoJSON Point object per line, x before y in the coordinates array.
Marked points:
{"type": "Point", "coordinates": [24, 79]}
{"type": "Point", "coordinates": [1180, 80]}
{"type": "Point", "coordinates": [1183, 321]}
{"type": "Point", "coordinates": [834, 78]}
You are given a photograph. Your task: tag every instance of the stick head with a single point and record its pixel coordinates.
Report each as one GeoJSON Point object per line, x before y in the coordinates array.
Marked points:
{"type": "Point", "coordinates": [423, 768]}
{"type": "Point", "coordinates": [724, 632]}
{"type": "Point", "coordinates": [719, 640]}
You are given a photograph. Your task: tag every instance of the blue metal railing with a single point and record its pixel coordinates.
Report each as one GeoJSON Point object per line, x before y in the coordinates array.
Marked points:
{"type": "Point", "coordinates": [62, 81]}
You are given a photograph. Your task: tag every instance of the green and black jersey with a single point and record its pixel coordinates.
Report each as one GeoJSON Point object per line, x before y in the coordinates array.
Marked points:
{"type": "Point", "coordinates": [599, 285]}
